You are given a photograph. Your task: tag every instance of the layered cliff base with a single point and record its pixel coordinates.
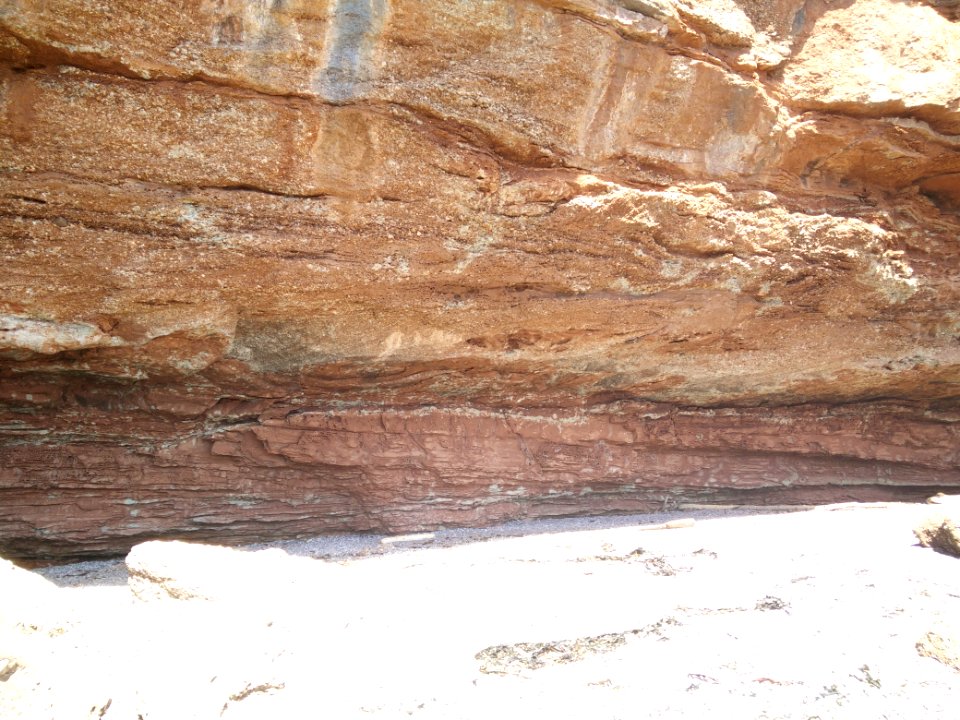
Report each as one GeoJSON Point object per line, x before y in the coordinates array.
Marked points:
{"type": "Point", "coordinates": [273, 269]}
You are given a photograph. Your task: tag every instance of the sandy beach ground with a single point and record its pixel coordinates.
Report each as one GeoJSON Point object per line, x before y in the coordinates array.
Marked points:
{"type": "Point", "coordinates": [832, 612]}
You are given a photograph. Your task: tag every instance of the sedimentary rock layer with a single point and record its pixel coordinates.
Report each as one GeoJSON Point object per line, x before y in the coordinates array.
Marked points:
{"type": "Point", "coordinates": [277, 268]}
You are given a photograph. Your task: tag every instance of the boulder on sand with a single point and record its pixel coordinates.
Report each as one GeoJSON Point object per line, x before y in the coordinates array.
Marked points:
{"type": "Point", "coordinates": [941, 531]}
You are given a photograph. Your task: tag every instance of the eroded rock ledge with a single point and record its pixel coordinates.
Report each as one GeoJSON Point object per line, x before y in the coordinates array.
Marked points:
{"type": "Point", "coordinates": [278, 269]}
{"type": "Point", "coordinates": [248, 470]}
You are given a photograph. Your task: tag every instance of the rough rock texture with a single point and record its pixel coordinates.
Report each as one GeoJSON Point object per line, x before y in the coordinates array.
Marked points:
{"type": "Point", "coordinates": [940, 532]}
{"type": "Point", "coordinates": [941, 649]}
{"type": "Point", "coordinates": [278, 268]}
{"type": "Point", "coordinates": [831, 613]}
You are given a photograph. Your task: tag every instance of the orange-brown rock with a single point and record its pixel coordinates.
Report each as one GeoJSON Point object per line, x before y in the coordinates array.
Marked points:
{"type": "Point", "coordinates": [279, 268]}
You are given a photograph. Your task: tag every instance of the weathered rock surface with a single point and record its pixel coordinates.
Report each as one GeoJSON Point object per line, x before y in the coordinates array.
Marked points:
{"type": "Point", "coordinates": [943, 650]}
{"type": "Point", "coordinates": [940, 532]}
{"type": "Point", "coordinates": [282, 268]}
{"type": "Point", "coordinates": [832, 613]}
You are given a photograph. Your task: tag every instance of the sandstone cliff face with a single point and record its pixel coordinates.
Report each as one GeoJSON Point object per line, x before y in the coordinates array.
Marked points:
{"type": "Point", "coordinates": [283, 267]}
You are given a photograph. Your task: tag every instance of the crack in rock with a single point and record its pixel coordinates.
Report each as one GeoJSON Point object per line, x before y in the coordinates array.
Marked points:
{"type": "Point", "coordinates": [516, 658]}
